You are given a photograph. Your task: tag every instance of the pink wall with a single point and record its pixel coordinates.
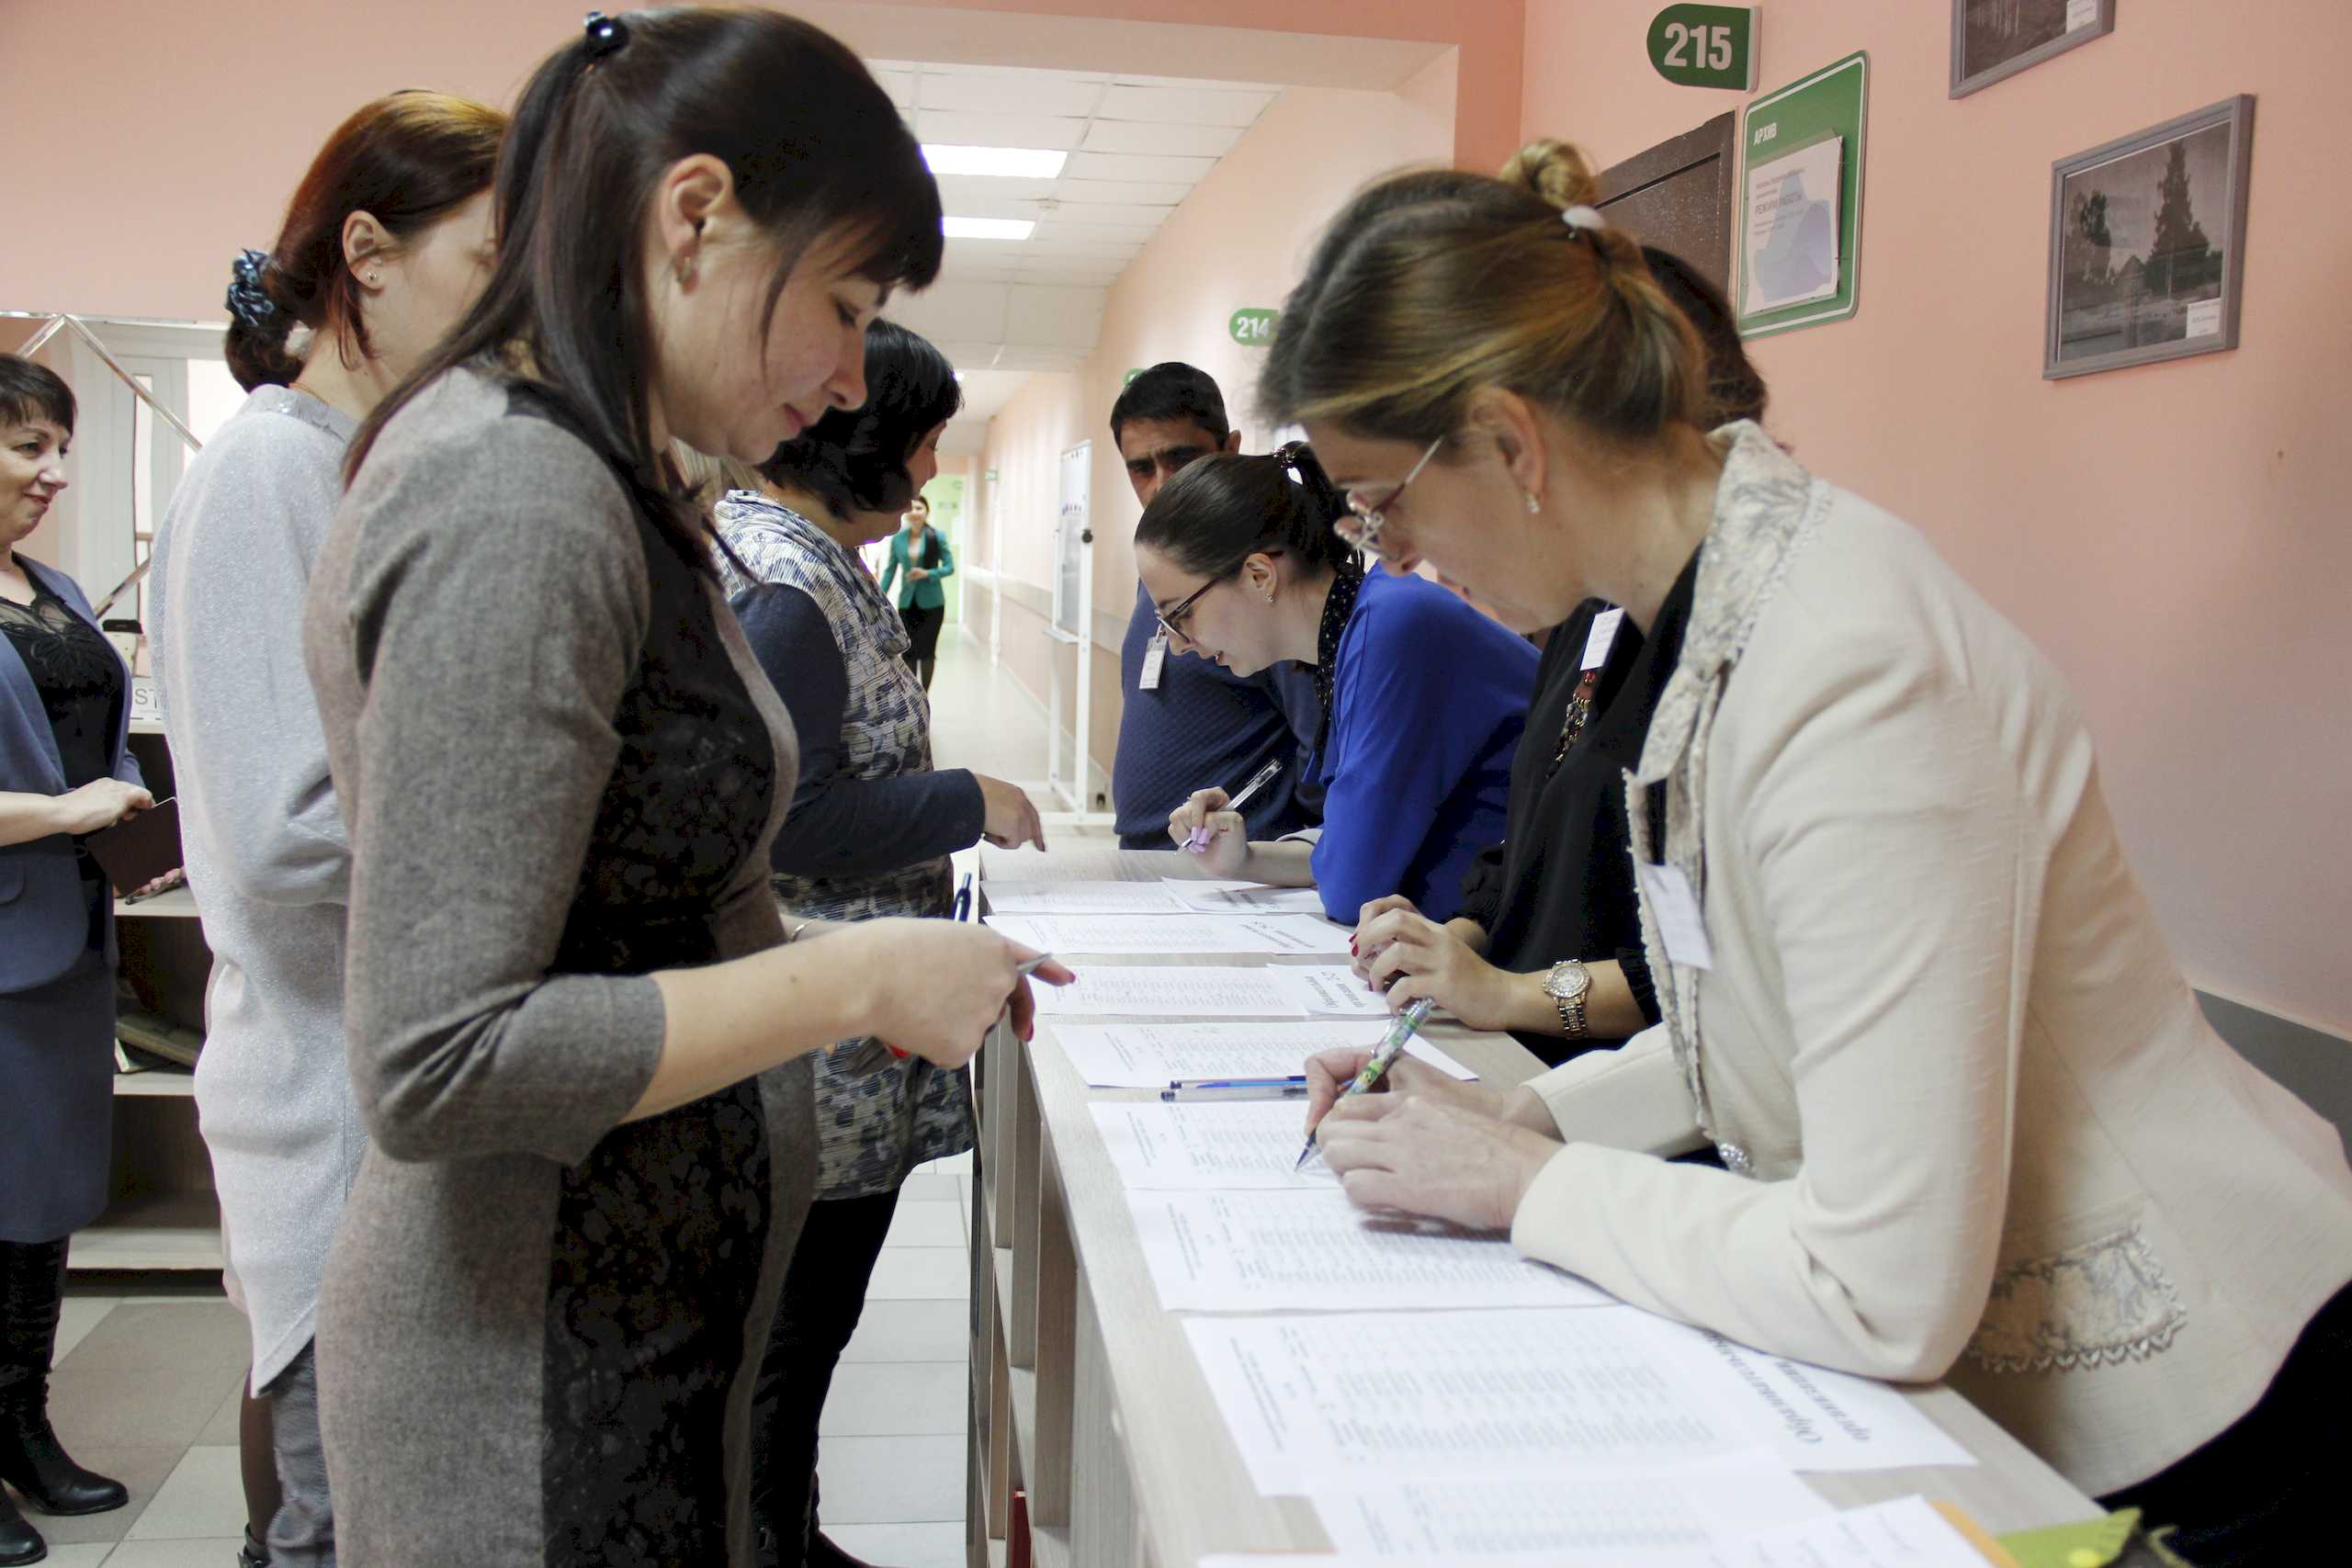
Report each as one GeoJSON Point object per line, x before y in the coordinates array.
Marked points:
{"type": "Point", "coordinates": [163, 139]}
{"type": "Point", "coordinates": [2171, 534]}
{"type": "Point", "coordinates": [1239, 240]}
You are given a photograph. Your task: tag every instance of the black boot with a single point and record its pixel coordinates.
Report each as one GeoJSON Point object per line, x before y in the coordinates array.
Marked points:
{"type": "Point", "coordinates": [19, 1542]}
{"type": "Point", "coordinates": [32, 1288]}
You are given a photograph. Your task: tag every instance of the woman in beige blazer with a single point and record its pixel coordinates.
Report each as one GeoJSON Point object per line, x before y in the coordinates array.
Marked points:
{"type": "Point", "coordinates": [1973, 1124]}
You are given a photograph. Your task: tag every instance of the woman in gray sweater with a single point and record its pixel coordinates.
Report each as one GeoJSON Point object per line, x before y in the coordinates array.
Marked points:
{"type": "Point", "coordinates": [577, 1037]}
{"type": "Point", "coordinates": [385, 243]}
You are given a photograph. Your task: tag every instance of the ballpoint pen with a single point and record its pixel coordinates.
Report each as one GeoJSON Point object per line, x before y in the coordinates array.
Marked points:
{"type": "Point", "coordinates": [963, 910]}
{"type": "Point", "coordinates": [1200, 836]}
{"type": "Point", "coordinates": [1234, 1091]}
{"type": "Point", "coordinates": [1236, 1083]}
{"type": "Point", "coordinates": [1375, 1067]}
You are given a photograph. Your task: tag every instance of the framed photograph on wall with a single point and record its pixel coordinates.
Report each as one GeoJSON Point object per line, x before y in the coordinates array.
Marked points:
{"type": "Point", "coordinates": [2147, 240]}
{"type": "Point", "coordinates": [1992, 39]}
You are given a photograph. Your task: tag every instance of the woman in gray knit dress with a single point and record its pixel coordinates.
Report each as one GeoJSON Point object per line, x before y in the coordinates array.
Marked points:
{"type": "Point", "coordinates": [561, 771]}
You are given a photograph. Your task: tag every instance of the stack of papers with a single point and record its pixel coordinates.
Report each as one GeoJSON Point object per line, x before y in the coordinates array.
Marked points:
{"type": "Point", "coordinates": [1153, 1056]}
{"type": "Point", "coordinates": [1175, 991]}
{"type": "Point", "coordinates": [1166, 933]}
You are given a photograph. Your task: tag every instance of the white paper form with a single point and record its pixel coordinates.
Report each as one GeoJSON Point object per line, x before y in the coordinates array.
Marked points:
{"type": "Point", "coordinates": [1245, 897]}
{"type": "Point", "coordinates": [1908, 1533]}
{"type": "Point", "coordinates": [1173, 933]}
{"type": "Point", "coordinates": [1329, 991]}
{"type": "Point", "coordinates": [1153, 1056]}
{"type": "Point", "coordinates": [1081, 898]}
{"type": "Point", "coordinates": [1792, 227]}
{"type": "Point", "coordinates": [1543, 1392]}
{"type": "Point", "coordinates": [1319, 1403]}
{"type": "Point", "coordinates": [1206, 1148]}
{"type": "Point", "coordinates": [1318, 1252]}
{"type": "Point", "coordinates": [1813, 1418]}
{"type": "Point", "coordinates": [1620, 1521]}
{"type": "Point", "coordinates": [1166, 991]}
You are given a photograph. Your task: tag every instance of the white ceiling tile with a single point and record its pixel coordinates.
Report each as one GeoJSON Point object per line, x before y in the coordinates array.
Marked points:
{"type": "Point", "coordinates": [1141, 192]}
{"type": "Point", "coordinates": [1191, 83]}
{"type": "Point", "coordinates": [1179, 105]}
{"type": "Point", "coordinates": [989, 204]}
{"type": "Point", "coordinates": [1095, 233]}
{"type": "Point", "coordinates": [962, 311]}
{"type": "Point", "coordinates": [900, 85]}
{"type": "Point", "coordinates": [1122, 166]}
{"type": "Point", "coordinates": [998, 130]}
{"type": "Point", "coordinates": [1021, 357]}
{"type": "Point", "coordinates": [1106, 212]}
{"type": "Point", "coordinates": [1143, 136]}
{"type": "Point", "coordinates": [1031, 73]}
{"type": "Point", "coordinates": [957, 189]}
{"type": "Point", "coordinates": [1011, 92]}
{"type": "Point", "coordinates": [1057, 315]}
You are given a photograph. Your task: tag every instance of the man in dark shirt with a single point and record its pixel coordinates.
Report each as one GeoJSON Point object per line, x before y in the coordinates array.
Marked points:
{"type": "Point", "coordinates": [1189, 724]}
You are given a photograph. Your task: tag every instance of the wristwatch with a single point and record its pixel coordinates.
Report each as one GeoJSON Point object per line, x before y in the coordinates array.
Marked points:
{"type": "Point", "coordinates": [1566, 986]}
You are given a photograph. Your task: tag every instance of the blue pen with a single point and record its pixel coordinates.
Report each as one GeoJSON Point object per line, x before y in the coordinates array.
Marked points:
{"type": "Point", "coordinates": [963, 910]}
{"type": "Point", "coordinates": [1235, 1091]}
{"type": "Point", "coordinates": [1236, 1083]}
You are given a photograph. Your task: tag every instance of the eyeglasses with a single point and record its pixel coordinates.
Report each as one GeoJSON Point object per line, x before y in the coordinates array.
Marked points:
{"type": "Point", "coordinates": [1182, 607]}
{"type": "Point", "coordinates": [1361, 528]}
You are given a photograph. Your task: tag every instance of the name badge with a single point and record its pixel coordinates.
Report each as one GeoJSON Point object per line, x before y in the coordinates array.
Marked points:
{"type": "Point", "coordinates": [1675, 907]}
{"type": "Point", "coordinates": [1598, 642]}
{"type": "Point", "coordinates": [1153, 657]}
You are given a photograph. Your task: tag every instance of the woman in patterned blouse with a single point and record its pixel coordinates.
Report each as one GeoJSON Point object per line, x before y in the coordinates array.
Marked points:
{"type": "Point", "coordinates": [868, 836]}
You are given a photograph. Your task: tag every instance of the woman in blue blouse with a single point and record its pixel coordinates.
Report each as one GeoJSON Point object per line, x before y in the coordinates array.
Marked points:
{"type": "Point", "coordinates": [921, 551]}
{"type": "Point", "coordinates": [1423, 697]}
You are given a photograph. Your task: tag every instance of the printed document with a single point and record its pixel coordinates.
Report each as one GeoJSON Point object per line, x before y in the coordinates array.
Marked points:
{"type": "Point", "coordinates": [1208, 1149]}
{"type": "Point", "coordinates": [1173, 933]}
{"type": "Point", "coordinates": [1153, 1056]}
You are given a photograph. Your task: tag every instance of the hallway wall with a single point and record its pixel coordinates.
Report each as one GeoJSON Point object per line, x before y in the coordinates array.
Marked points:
{"type": "Point", "coordinates": [1240, 240]}
{"type": "Point", "coordinates": [2174, 535]}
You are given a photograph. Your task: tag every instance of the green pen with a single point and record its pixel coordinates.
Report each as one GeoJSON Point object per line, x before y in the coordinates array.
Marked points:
{"type": "Point", "coordinates": [1408, 1024]}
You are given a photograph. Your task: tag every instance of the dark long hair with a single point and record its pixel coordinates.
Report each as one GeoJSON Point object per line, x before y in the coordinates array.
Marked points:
{"type": "Point", "coordinates": [410, 160]}
{"type": "Point", "coordinates": [816, 149]}
{"type": "Point", "coordinates": [855, 459]}
{"type": "Point", "coordinates": [1221, 510]}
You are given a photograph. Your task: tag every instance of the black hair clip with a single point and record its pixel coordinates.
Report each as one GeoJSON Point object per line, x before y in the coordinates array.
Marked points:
{"type": "Point", "coordinates": [248, 298]}
{"type": "Point", "coordinates": [606, 35]}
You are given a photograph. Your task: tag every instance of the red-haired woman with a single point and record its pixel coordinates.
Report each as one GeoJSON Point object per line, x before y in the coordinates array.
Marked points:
{"type": "Point", "coordinates": [385, 243]}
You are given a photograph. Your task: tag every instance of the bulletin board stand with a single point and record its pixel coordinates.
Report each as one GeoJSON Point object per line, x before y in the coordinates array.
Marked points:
{"type": "Point", "coordinates": [1832, 102]}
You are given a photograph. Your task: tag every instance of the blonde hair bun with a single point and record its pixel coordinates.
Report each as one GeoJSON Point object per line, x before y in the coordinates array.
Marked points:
{"type": "Point", "coordinates": [1556, 173]}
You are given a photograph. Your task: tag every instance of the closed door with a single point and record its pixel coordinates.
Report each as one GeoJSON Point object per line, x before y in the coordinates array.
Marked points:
{"type": "Point", "coordinates": [1677, 196]}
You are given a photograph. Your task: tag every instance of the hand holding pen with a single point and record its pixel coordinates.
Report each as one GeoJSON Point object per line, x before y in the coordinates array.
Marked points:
{"type": "Point", "coordinates": [1196, 824]}
{"type": "Point", "coordinates": [1374, 1068]}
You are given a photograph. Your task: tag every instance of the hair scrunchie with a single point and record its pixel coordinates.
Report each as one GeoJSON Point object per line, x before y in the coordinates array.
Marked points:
{"type": "Point", "coordinates": [248, 298]}
{"type": "Point", "coordinates": [605, 35]}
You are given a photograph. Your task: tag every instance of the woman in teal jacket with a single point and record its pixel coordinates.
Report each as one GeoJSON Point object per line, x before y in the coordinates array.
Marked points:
{"type": "Point", "coordinates": [921, 551]}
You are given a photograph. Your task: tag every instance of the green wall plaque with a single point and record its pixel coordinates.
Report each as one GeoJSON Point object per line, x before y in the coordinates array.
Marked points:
{"type": "Point", "coordinates": [1253, 329]}
{"type": "Point", "coordinates": [1706, 46]}
{"type": "Point", "coordinates": [1800, 201]}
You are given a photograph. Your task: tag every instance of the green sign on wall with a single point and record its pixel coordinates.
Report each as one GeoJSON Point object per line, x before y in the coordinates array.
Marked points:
{"type": "Point", "coordinates": [1253, 329]}
{"type": "Point", "coordinates": [1129, 378]}
{"type": "Point", "coordinates": [1801, 200]}
{"type": "Point", "coordinates": [1706, 46]}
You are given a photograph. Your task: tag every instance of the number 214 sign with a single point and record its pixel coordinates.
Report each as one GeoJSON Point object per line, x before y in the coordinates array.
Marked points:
{"type": "Point", "coordinates": [1706, 46]}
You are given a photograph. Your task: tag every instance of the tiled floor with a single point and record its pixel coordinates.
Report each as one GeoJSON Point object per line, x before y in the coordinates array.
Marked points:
{"type": "Point", "coordinates": [146, 1386]}
{"type": "Point", "coordinates": [146, 1389]}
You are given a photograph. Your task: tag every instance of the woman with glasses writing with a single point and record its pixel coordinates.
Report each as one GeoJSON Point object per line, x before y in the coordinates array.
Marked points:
{"type": "Point", "coordinates": [1423, 697]}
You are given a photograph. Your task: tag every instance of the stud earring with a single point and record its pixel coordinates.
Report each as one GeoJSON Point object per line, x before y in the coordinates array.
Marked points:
{"type": "Point", "coordinates": [375, 280]}
{"type": "Point", "coordinates": [1534, 503]}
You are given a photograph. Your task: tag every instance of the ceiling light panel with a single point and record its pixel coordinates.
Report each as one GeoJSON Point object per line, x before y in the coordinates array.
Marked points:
{"type": "Point", "coordinates": [996, 162]}
{"type": "Point", "coordinates": [958, 228]}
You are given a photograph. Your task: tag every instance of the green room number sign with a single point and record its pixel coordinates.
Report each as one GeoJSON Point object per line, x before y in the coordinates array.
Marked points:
{"type": "Point", "coordinates": [1253, 329]}
{"type": "Point", "coordinates": [1706, 46]}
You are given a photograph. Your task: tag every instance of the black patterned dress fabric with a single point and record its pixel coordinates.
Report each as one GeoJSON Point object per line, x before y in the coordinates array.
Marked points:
{"type": "Point", "coordinates": [659, 1233]}
{"type": "Point", "coordinates": [78, 676]}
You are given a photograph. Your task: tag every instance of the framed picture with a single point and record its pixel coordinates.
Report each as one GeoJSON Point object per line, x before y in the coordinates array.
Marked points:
{"type": "Point", "coordinates": [1992, 39]}
{"type": "Point", "coordinates": [2147, 243]}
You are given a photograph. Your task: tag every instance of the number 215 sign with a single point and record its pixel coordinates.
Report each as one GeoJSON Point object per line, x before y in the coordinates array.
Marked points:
{"type": "Point", "coordinates": [1706, 46]}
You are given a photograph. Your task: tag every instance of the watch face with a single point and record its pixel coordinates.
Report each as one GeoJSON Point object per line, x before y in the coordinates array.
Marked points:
{"type": "Point", "coordinates": [1567, 982]}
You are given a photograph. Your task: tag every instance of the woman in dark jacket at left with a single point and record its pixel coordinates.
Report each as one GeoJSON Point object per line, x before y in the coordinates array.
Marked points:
{"type": "Point", "coordinates": [65, 772]}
